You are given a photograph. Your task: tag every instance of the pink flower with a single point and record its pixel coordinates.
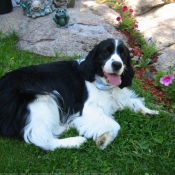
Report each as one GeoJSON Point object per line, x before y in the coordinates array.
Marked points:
{"type": "Point", "coordinates": [131, 10]}
{"type": "Point", "coordinates": [136, 26]}
{"type": "Point", "coordinates": [150, 39]}
{"type": "Point", "coordinates": [124, 9]}
{"type": "Point", "coordinates": [167, 80]}
{"type": "Point", "coordinates": [118, 18]}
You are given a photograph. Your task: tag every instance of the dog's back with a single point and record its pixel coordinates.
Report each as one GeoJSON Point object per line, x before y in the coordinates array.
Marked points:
{"type": "Point", "coordinates": [21, 87]}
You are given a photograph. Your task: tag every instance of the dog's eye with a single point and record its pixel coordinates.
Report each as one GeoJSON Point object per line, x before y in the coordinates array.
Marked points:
{"type": "Point", "coordinates": [122, 54]}
{"type": "Point", "coordinates": [106, 52]}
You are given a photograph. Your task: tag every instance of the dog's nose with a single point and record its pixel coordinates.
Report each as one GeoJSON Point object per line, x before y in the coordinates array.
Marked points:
{"type": "Point", "coordinates": [116, 65]}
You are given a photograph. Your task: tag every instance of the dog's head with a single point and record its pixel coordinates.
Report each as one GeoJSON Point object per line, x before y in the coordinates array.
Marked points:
{"type": "Point", "coordinates": [110, 60]}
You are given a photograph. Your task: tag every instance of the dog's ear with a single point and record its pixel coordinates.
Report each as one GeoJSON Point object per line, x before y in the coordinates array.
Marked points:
{"type": "Point", "coordinates": [87, 67]}
{"type": "Point", "coordinates": [128, 74]}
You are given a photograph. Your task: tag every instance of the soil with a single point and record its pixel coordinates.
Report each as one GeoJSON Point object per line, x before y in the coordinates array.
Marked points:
{"type": "Point", "coordinates": [147, 81]}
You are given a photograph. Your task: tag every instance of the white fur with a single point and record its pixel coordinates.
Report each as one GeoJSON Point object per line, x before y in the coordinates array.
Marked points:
{"type": "Point", "coordinates": [44, 126]}
{"type": "Point", "coordinates": [97, 116]}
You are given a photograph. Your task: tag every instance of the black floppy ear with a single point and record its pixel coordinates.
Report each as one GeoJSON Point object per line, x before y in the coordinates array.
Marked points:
{"type": "Point", "coordinates": [87, 67]}
{"type": "Point", "coordinates": [127, 77]}
{"type": "Point", "coordinates": [128, 74]}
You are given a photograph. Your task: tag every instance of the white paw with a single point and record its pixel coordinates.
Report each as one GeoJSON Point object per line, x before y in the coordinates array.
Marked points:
{"type": "Point", "coordinates": [149, 112]}
{"type": "Point", "coordinates": [154, 112]}
{"type": "Point", "coordinates": [76, 142]}
{"type": "Point", "coordinates": [103, 141]}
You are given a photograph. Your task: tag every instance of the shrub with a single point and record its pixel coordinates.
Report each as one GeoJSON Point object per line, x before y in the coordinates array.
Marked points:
{"type": "Point", "coordinates": [127, 22]}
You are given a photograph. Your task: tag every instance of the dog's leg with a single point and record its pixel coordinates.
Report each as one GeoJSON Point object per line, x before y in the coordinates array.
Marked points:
{"type": "Point", "coordinates": [137, 105]}
{"type": "Point", "coordinates": [127, 98]}
{"type": "Point", "coordinates": [71, 142]}
{"type": "Point", "coordinates": [43, 126]}
{"type": "Point", "coordinates": [95, 124]}
{"type": "Point", "coordinates": [104, 140]}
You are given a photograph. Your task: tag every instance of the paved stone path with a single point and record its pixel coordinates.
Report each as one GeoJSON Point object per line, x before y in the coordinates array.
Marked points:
{"type": "Point", "coordinates": [90, 23]}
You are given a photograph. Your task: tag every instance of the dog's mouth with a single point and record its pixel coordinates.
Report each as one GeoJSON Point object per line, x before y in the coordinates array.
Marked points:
{"type": "Point", "coordinates": [112, 78]}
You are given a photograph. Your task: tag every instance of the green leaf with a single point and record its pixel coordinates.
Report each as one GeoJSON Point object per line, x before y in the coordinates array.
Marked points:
{"type": "Point", "coordinates": [159, 139]}
{"type": "Point", "coordinates": [143, 144]}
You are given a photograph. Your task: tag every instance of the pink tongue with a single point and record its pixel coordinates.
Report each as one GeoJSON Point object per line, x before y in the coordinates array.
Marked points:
{"type": "Point", "coordinates": [113, 79]}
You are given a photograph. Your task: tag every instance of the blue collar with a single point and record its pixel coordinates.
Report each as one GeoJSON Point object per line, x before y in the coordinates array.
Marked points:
{"type": "Point", "coordinates": [81, 59]}
{"type": "Point", "coordinates": [98, 81]}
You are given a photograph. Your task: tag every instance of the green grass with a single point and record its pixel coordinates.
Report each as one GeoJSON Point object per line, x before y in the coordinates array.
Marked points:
{"type": "Point", "coordinates": [145, 145]}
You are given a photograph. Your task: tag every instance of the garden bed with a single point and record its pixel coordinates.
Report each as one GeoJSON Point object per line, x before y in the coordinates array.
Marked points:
{"type": "Point", "coordinates": [146, 76]}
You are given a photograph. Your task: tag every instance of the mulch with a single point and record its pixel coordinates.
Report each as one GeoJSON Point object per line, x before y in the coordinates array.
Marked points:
{"type": "Point", "coordinates": [148, 82]}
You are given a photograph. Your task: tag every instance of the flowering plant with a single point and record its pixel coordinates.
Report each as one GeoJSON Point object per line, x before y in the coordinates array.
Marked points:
{"type": "Point", "coordinates": [166, 82]}
{"type": "Point", "coordinates": [127, 19]}
{"type": "Point", "coordinates": [169, 82]}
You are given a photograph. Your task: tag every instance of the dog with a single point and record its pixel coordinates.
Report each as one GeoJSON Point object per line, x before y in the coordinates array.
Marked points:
{"type": "Point", "coordinates": [39, 102]}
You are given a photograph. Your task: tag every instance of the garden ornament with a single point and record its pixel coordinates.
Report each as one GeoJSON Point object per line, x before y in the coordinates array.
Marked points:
{"type": "Point", "coordinates": [61, 17]}
{"type": "Point", "coordinates": [59, 3]}
{"type": "Point", "coordinates": [37, 8]}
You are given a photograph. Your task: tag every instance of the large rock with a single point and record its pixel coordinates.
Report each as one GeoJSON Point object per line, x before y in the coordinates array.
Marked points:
{"type": "Point", "coordinates": [160, 25]}
{"type": "Point", "coordinates": [141, 7]}
{"type": "Point", "coordinates": [42, 36]}
{"type": "Point", "coordinates": [166, 60]}
{"type": "Point", "coordinates": [102, 10]}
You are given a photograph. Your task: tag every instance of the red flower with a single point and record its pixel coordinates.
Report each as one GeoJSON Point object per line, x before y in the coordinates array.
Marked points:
{"type": "Point", "coordinates": [136, 26]}
{"type": "Point", "coordinates": [124, 9]}
{"type": "Point", "coordinates": [118, 18]}
{"type": "Point", "coordinates": [131, 10]}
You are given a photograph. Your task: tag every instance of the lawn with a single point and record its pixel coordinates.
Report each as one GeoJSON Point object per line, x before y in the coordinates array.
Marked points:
{"type": "Point", "coordinates": [145, 145]}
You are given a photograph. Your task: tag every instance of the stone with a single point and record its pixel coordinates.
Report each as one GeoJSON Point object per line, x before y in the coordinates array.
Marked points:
{"type": "Point", "coordinates": [42, 36]}
{"type": "Point", "coordinates": [159, 25]}
{"type": "Point", "coordinates": [149, 75]}
{"type": "Point", "coordinates": [12, 21]}
{"type": "Point", "coordinates": [166, 60]}
{"type": "Point", "coordinates": [168, 1]}
{"type": "Point", "coordinates": [136, 58]}
{"type": "Point", "coordinates": [141, 7]}
{"type": "Point", "coordinates": [103, 10]}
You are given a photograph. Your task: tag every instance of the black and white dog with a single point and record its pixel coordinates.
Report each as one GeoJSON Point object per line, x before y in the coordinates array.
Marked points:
{"type": "Point", "coordinates": [39, 102]}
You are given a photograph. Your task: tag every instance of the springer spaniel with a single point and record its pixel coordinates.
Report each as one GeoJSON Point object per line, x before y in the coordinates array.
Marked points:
{"type": "Point", "coordinates": [39, 102]}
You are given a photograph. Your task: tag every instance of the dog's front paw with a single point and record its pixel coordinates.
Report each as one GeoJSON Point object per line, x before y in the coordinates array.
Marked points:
{"type": "Point", "coordinates": [104, 140]}
{"type": "Point", "coordinates": [149, 112]}
{"type": "Point", "coordinates": [78, 141]}
{"type": "Point", "coordinates": [72, 142]}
